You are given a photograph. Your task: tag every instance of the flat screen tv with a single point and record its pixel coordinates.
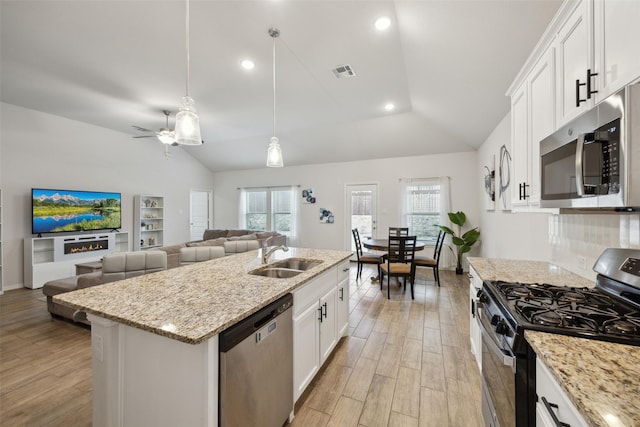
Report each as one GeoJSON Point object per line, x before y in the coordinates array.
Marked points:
{"type": "Point", "coordinates": [57, 211]}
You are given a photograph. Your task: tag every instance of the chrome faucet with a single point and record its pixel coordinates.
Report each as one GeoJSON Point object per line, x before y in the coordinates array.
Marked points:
{"type": "Point", "coordinates": [267, 253]}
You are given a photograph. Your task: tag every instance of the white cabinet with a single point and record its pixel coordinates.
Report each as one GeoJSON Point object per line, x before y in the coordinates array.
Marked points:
{"type": "Point", "coordinates": [48, 258]}
{"type": "Point", "coordinates": [148, 222]}
{"type": "Point", "coordinates": [532, 119]}
{"type": "Point", "coordinates": [342, 300]}
{"type": "Point", "coordinates": [616, 35]}
{"type": "Point", "coordinates": [553, 402]}
{"type": "Point", "coordinates": [574, 57]}
{"type": "Point", "coordinates": [475, 285]}
{"type": "Point", "coordinates": [320, 317]}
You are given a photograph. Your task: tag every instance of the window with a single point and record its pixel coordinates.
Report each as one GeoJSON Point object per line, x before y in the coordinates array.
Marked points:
{"type": "Point", "coordinates": [269, 209]}
{"type": "Point", "coordinates": [422, 205]}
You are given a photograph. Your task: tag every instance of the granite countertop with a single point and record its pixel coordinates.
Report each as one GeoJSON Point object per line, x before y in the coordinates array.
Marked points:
{"type": "Point", "coordinates": [195, 302]}
{"type": "Point", "coordinates": [522, 271]}
{"type": "Point", "coordinates": [602, 379]}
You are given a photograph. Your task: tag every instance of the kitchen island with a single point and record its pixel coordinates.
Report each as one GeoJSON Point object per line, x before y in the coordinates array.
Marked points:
{"type": "Point", "coordinates": [155, 337]}
{"type": "Point", "coordinates": [601, 379]}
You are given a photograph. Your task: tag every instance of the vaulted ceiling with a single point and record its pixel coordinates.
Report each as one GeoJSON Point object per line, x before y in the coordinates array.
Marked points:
{"type": "Point", "coordinates": [444, 64]}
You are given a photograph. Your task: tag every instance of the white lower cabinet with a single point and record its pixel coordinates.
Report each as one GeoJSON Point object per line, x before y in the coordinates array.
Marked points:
{"type": "Point", "coordinates": [320, 318]}
{"type": "Point", "coordinates": [475, 285]}
{"type": "Point", "coordinates": [553, 407]}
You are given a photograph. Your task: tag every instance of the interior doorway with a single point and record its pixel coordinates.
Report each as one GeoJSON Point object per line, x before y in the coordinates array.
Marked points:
{"type": "Point", "coordinates": [200, 212]}
{"type": "Point", "coordinates": [361, 208]}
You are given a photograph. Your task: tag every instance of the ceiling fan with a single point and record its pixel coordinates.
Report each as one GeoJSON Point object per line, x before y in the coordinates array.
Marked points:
{"type": "Point", "coordinates": [165, 135]}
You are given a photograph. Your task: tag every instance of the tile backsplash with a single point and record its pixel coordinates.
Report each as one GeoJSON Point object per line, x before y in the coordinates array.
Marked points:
{"type": "Point", "coordinates": [578, 240]}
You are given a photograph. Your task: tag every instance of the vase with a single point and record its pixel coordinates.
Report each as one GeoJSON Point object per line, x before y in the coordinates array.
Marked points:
{"type": "Point", "coordinates": [459, 270]}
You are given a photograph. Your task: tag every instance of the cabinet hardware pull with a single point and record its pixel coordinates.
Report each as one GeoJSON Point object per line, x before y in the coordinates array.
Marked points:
{"type": "Point", "coordinates": [556, 421]}
{"type": "Point", "coordinates": [345, 269]}
{"type": "Point", "coordinates": [522, 191]}
{"type": "Point", "coordinates": [578, 100]}
{"type": "Point", "coordinates": [320, 318]}
{"type": "Point", "coordinates": [325, 310]}
{"type": "Point", "coordinates": [589, 91]}
{"type": "Point", "coordinates": [341, 294]}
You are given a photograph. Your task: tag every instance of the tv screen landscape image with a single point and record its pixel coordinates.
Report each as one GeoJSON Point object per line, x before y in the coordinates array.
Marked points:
{"type": "Point", "coordinates": [56, 211]}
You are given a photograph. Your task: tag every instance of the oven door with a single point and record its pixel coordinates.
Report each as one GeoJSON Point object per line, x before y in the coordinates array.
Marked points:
{"type": "Point", "coordinates": [498, 378]}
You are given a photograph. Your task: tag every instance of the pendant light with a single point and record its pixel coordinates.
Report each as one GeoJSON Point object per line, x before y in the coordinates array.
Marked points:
{"type": "Point", "coordinates": [187, 120]}
{"type": "Point", "coordinates": [274, 154]}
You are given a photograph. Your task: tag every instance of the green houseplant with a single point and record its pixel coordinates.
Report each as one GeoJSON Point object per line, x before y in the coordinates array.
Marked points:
{"type": "Point", "coordinates": [463, 242]}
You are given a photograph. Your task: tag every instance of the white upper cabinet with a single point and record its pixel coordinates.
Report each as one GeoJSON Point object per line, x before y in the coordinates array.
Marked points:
{"type": "Point", "coordinates": [617, 48]}
{"type": "Point", "coordinates": [532, 118]}
{"type": "Point", "coordinates": [575, 63]}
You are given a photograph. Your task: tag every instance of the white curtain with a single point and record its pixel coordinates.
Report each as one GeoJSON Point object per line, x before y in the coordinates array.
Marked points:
{"type": "Point", "coordinates": [404, 201]}
{"type": "Point", "coordinates": [242, 209]}
{"type": "Point", "coordinates": [294, 238]}
{"type": "Point", "coordinates": [447, 260]}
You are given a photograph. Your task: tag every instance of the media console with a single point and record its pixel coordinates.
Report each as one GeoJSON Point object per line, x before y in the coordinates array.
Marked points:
{"type": "Point", "coordinates": [48, 258]}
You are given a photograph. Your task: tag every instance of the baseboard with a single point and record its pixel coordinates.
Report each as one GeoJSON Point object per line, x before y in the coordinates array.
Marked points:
{"type": "Point", "coordinates": [12, 287]}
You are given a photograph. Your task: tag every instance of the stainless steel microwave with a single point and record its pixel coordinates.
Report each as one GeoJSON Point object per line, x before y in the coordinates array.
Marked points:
{"type": "Point", "coordinates": [593, 162]}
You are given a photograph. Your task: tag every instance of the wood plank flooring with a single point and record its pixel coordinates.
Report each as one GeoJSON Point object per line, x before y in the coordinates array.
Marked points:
{"type": "Point", "coordinates": [405, 363]}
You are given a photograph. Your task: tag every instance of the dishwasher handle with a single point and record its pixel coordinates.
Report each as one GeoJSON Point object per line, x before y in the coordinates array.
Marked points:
{"type": "Point", "coordinates": [235, 334]}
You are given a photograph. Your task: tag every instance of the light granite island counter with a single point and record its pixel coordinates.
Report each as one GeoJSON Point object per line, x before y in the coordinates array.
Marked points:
{"type": "Point", "coordinates": [155, 337]}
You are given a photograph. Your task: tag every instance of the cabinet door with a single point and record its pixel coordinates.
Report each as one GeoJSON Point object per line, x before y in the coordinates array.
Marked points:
{"type": "Point", "coordinates": [343, 308]}
{"type": "Point", "coordinates": [306, 349]}
{"type": "Point", "coordinates": [541, 119]}
{"type": "Point", "coordinates": [616, 35]}
{"type": "Point", "coordinates": [519, 145]}
{"type": "Point", "coordinates": [475, 284]}
{"type": "Point", "coordinates": [328, 333]}
{"type": "Point", "coordinates": [574, 53]}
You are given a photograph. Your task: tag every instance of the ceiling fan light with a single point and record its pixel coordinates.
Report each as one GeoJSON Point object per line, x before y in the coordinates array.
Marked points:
{"type": "Point", "coordinates": [167, 136]}
{"type": "Point", "coordinates": [274, 154]}
{"type": "Point", "coordinates": [187, 130]}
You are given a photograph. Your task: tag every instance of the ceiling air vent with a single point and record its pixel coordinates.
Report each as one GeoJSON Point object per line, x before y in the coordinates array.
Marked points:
{"type": "Point", "coordinates": [343, 71]}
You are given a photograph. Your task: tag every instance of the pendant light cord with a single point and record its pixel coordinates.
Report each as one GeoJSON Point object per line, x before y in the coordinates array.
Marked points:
{"type": "Point", "coordinates": [274, 84]}
{"type": "Point", "coordinates": [187, 42]}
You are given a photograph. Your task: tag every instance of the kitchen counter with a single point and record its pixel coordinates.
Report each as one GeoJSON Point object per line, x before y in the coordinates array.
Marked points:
{"type": "Point", "coordinates": [602, 379]}
{"type": "Point", "coordinates": [523, 271]}
{"type": "Point", "coordinates": [195, 302]}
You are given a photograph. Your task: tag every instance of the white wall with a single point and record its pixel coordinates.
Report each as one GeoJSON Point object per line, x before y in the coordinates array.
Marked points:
{"type": "Point", "coordinates": [572, 241]}
{"type": "Point", "coordinates": [329, 180]}
{"type": "Point", "coordinates": [46, 151]}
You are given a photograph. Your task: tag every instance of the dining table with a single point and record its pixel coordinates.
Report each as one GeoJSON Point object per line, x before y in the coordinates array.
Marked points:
{"type": "Point", "coordinates": [383, 245]}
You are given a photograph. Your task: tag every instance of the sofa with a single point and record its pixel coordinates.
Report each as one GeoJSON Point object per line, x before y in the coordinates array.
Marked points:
{"type": "Point", "coordinates": [220, 238]}
{"type": "Point", "coordinates": [122, 265]}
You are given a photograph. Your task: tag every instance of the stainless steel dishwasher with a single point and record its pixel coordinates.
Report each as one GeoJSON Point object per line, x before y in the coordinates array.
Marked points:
{"type": "Point", "coordinates": [256, 368]}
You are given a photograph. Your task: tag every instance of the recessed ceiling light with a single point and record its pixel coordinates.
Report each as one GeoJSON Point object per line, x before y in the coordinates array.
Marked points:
{"type": "Point", "coordinates": [247, 64]}
{"type": "Point", "coordinates": [389, 106]}
{"type": "Point", "coordinates": [382, 23]}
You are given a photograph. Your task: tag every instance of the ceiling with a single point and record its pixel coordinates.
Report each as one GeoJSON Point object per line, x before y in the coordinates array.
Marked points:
{"type": "Point", "coordinates": [446, 66]}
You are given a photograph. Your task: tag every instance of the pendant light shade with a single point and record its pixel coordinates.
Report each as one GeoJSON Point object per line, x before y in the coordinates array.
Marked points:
{"type": "Point", "coordinates": [274, 153]}
{"type": "Point", "coordinates": [187, 120]}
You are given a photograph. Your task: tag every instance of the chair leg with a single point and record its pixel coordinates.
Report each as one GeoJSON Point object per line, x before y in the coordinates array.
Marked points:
{"type": "Point", "coordinates": [388, 286]}
{"type": "Point", "coordinates": [436, 273]}
{"type": "Point", "coordinates": [412, 296]}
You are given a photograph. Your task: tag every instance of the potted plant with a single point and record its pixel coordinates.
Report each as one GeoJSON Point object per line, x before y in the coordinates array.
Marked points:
{"type": "Point", "coordinates": [462, 242]}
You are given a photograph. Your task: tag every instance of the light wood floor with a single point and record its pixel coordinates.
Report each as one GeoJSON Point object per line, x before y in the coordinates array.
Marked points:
{"type": "Point", "coordinates": [405, 363]}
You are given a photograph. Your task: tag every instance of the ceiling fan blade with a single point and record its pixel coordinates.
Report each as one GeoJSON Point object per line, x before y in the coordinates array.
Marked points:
{"type": "Point", "coordinates": [143, 129]}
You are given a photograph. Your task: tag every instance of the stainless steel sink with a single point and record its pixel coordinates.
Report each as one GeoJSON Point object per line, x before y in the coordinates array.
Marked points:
{"type": "Point", "coordinates": [296, 264]}
{"type": "Point", "coordinates": [279, 273]}
{"type": "Point", "coordinates": [286, 268]}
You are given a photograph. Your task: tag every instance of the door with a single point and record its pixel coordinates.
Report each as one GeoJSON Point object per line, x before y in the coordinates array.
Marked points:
{"type": "Point", "coordinates": [362, 207]}
{"type": "Point", "coordinates": [200, 213]}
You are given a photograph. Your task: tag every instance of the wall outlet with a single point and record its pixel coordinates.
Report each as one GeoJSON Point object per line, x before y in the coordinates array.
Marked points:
{"type": "Point", "coordinates": [97, 347]}
{"type": "Point", "coordinates": [582, 263]}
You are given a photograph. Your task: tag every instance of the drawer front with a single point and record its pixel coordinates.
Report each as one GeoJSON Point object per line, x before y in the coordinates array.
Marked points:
{"type": "Point", "coordinates": [343, 271]}
{"type": "Point", "coordinates": [558, 402]}
{"type": "Point", "coordinates": [310, 293]}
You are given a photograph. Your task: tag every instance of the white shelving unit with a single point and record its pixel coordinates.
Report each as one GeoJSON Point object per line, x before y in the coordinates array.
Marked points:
{"type": "Point", "coordinates": [48, 258]}
{"type": "Point", "coordinates": [148, 222]}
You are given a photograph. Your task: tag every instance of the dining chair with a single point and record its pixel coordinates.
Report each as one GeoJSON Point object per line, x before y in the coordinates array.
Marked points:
{"type": "Point", "coordinates": [365, 257]}
{"type": "Point", "coordinates": [398, 231]}
{"type": "Point", "coordinates": [423, 261]}
{"type": "Point", "coordinates": [399, 261]}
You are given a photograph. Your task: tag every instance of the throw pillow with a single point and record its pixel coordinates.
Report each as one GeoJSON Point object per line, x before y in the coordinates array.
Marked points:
{"type": "Point", "coordinates": [234, 233]}
{"type": "Point", "coordinates": [245, 237]}
{"type": "Point", "coordinates": [214, 234]}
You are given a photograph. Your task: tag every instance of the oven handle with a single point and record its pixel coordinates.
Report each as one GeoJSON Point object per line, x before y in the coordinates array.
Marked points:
{"type": "Point", "coordinates": [507, 357]}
